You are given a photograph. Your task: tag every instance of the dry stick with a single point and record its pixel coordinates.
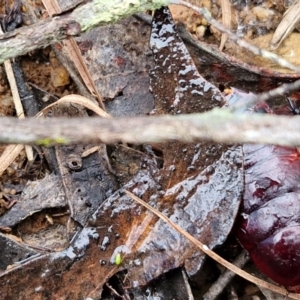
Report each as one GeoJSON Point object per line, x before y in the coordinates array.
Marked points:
{"type": "Point", "coordinates": [74, 52]}
{"type": "Point", "coordinates": [9, 155]}
{"type": "Point", "coordinates": [282, 90]}
{"type": "Point", "coordinates": [218, 125]}
{"type": "Point", "coordinates": [242, 43]}
{"type": "Point", "coordinates": [14, 89]}
{"type": "Point", "coordinates": [12, 151]}
{"type": "Point", "coordinates": [212, 254]}
{"type": "Point", "coordinates": [187, 285]}
{"type": "Point", "coordinates": [83, 18]}
{"type": "Point", "coordinates": [217, 287]}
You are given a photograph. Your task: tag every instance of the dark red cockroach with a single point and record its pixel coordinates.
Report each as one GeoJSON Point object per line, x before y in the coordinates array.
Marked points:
{"type": "Point", "coordinates": [268, 223]}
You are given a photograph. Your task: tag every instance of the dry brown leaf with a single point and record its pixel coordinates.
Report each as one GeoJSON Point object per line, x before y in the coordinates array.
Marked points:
{"type": "Point", "coordinates": [9, 155]}
{"type": "Point", "coordinates": [226, 20]}
{"type": "Point", "coordinates": [52, 7]}
{"type": "Point", "coordinates": [287, 24]}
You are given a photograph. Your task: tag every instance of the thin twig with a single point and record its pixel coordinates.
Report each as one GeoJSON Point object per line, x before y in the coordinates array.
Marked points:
{"type": "Point", "coordinates": [282, 90]}
{"type": "Point", "coordinates": [113, 290]}
{"type": "Point", "coordinates": [235, 38]}
{"type": "Point", "coordinates": [187, 285]}
{"type": "Point", "coordinates": [74, 52]}
{"type": "Point", "coordinates": [217, 287]}
{"type": "Point", "coordinates": [212, 254]}
{"type": "Point", "coordinates": [9, 155]}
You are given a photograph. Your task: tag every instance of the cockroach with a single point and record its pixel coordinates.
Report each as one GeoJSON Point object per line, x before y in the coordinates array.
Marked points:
{"type": "Point", "coordinates": [268, 223]}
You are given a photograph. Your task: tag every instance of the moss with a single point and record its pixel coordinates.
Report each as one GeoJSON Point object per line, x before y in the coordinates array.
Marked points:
{"type": "Point", "coordinates": [47, 142]}
{"type": "Point", "coordinates": [101, 12]}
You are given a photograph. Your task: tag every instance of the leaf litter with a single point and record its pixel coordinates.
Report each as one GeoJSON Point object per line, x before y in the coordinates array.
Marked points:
{"type": "Point", "coordinates": [190, 186]}
{"type": "Point", "coordinates": [190, 173]}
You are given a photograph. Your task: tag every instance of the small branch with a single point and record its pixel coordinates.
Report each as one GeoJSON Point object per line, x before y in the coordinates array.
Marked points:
{"type": "Point", "coordinates": [218, 125]}
{"type": "Point", "coordinates": [282, 90]}
{"type": "Point", "coordinates": [218, 287]}
{"type": "Point", "coordinates": [83, 18]}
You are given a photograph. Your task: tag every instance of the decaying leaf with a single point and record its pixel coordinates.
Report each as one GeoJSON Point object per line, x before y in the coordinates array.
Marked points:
{"type": "Point", "coordinates": [119, 59]}
{"type": "Point", "coordinates": [55, 273]}
{"type": "Point", "coordinates": [17, 251]}
{"type": "Point", "coordinates": [199, 186]}
{"type": "Point", "coordinates": [36, 196]}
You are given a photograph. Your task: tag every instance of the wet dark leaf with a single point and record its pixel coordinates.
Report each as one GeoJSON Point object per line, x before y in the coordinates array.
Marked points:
{"type": "Point", "coordinates": [17, 252]}
{"type": "Point", "coordinates": [52, 275]}
{"type": "Point", "coordinates": [119, 59]}
{"type": "Point", "coordinates": [199, 186]}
